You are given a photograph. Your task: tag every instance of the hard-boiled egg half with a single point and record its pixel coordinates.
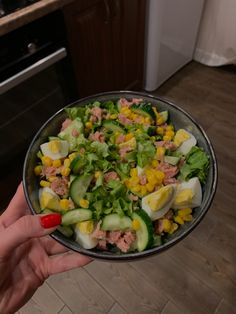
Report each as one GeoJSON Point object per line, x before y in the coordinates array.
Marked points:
{"type": "Point", "coordinates": [83, 233]}
{"type": "Point", "coordinates": [158, 203]}
{"type": "Point", "coordinates": [184, 141]}
{"type": "Point", "coordinates": [49, 199]}
{"type": "Point", "coordinates": [188, 194]}
{"type": "Point", "coordinates": [55, 149]}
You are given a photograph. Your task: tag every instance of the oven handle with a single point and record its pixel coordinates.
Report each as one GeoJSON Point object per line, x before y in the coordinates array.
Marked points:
{"type": "Point", "coordinates": [32, 70]}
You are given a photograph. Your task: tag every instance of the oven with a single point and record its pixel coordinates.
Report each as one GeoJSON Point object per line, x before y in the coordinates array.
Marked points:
{"type": "Point", "coordinates": [36, 80]}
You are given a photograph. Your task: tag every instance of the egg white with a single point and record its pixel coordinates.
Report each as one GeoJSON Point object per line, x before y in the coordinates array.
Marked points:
{"type": "Point", "coordinates": [85, 240]}
{"type": "Point", "coordinates": [194, 185]}
{"type": "Point", "coordinates": [51, 192]}
{"type": "Point", "coordinates": [63, 150]}
{"type": "Point", "coordinates": [154, 215]}
{"type": "Point", "coordinates": [186, 146]}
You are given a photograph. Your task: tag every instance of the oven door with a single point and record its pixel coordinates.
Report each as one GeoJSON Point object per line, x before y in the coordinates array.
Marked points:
{"type": "Point", "coordinates": [29, 97]}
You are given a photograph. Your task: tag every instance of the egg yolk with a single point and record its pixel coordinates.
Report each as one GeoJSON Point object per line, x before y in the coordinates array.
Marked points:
{"type": "Point", "coordinates": [180, 137]}
{"type": "Point", "coordinates": [160, 199]}
{"type": "Point", "coordinates": [184, 197]}
{"type": "Point", "coordinates": [54, 146]}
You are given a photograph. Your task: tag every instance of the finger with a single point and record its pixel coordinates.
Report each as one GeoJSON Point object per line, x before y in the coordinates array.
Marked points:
{"type": "Point", "coordinates": [67, 261]}
{"type": "Point", "coordinates": [52, 247]}
{"type": "Point", "coordinates": [25, 228]}
{"type": "Point", "coordinates": [17, 208]}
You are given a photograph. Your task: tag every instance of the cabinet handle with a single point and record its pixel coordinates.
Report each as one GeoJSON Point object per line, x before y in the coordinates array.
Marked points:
{"type": "Point", "coordinates": [108, 12]}
{"type": "Point", "coordinates": [116, 8]}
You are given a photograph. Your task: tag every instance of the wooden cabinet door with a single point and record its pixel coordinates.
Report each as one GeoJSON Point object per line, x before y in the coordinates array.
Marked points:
{"type": "Point", "coordinates": [128, 28]}
{"type": "Point", "coordinates": [90, 40]}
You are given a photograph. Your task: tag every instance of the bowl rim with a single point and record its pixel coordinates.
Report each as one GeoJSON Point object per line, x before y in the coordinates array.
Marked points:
{"type": "Point", "coordinates": [152, 251]}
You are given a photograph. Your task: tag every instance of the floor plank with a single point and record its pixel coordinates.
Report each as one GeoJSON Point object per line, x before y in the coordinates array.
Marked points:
{"type": "Point", "coordinates": [128, 287]}
{"type": "Point", "coordinates": [80, 293]}
{"type": "Point", "coordinates": [171, 308]}
{"type": "Point", "coordinates": [225, 308]}
{"type": "Point", "coordinates": [117, 309]}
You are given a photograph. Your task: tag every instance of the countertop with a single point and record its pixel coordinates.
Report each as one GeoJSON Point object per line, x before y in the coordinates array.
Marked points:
{"type": "Point", "coordinates": [30, 13]}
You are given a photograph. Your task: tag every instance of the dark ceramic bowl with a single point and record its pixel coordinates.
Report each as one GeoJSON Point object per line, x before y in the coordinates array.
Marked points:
{"type": "Point", "coordinates": [179, 117]}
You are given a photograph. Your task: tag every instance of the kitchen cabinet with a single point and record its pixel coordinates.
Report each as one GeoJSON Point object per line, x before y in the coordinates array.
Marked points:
{"type": "Point", "coordinates": [106, 43]}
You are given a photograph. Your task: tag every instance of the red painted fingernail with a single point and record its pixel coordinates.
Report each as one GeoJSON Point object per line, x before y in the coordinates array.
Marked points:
{"type": "Point", "coordinates": [50, 220]}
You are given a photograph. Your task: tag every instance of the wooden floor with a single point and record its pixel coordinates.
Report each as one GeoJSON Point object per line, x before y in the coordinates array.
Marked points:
{"type": "Point", "coordinates": [199, 274]}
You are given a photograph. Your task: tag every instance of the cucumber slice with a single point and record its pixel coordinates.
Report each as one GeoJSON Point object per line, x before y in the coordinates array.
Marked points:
{"type": "Point", "coordinates": [114, 222]}
{"type": "Point", "coordinates": [145, 109]}
{"type": "Point", "coordinates": [77, 164]}
{"type": "Point", "coordinates": [172, 160]}
{"type": "Point", "coordinates": [75, 215]}
{"type": "Point", "coordinates": [79, 187]}
{"type": "Point", "coordinates": [113, 126]}
{"type": "Point", "coordinates": [145, 232]}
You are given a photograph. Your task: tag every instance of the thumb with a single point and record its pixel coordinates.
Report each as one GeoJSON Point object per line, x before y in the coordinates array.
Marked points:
{"type": "Point", "coordinates": [25, 228]}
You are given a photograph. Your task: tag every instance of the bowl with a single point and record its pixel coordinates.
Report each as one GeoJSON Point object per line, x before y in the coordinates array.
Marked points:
{"type": "Point", "coordinates": [180, 118]}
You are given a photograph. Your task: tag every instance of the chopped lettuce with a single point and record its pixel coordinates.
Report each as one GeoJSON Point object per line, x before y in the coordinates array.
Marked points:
{"type": "Point", "coordinates": [75, 112]}
{"type": "Point", "coordinates": [196, 165]}
{"type": "Point", "coordinates": [146, 152]}
{"type": "Point", "coordinates": [101, 149]}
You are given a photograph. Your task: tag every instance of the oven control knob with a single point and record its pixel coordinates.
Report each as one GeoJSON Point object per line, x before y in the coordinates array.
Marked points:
{"type": "Point", "coordinates": [31, 47]}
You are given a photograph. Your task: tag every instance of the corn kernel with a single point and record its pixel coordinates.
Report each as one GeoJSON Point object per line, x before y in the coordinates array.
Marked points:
{"type": "Point", "coordinates": [188, 218]}
{"type": "Point", "coordinates": [150, 187]}
{"type": "Point", "coordinates": [169, 127]}
{"type": "Point", "coordinates": [154, 163]}
{"type": "Point", "coordinates": [65, 171]}
{"type": "Point", "coordinates": [65, 204]}
{"type": "Point", "coordinates": [160, 151]}
{"type": "Point", "coordinates": [147, 120]}
{"type": "Point", "coordinates": [136, 224]}
{"type": "Point", "coordinates": [97, 174]}
{"type": "Point", "coordinates": [134, 180]}
{"type": "Point", "coordinates": [179, 220]}
{"type": "Point", "coordinates": [173, 228]}
{"type": "Point", "coordinates": [170, 133]}
{"type": "Point", "coordinates": [72, 156]}
{"type": "Point", "coordinates": [133, 116]}
{"type": "Point", "coordinates": [38, 170]}
{"type": "Point", "coordinates": [160, 130]}
{"type": "Point", "coordinates": [159, 175]}
{"type": "Point", "coordinates": [113, 116]}
{"type": "Point", "coordinates": [128, 137]}
{"type": "Point", "coordinates": [84, 203]}
{"type": "Point", "coordinates": [166, 138]}
{"type": "Point", "coordinates": [143, 190]}
{"type": "Point", "coordinates": [51, 178]}
{"type": "Point", "coordinates": [136, 188]}
{"type": "Point", "coordinates": [88, 125]}
{"type": "Point", "coordinates": [160, 120]}
{"type": "Point", "coordinates": [44, 183]}
{"type": "Point", "coordinates": [66, 163]}
{"type": "Point", "coordinates": [155, 111]}
{"type": "Point", "coordinates": [134, 172]}
{"type": "Point", "coordinates": [166, 225]}
{"type": "Point", "coordinates": [47, 161]}
{"type": "Point", "coordinates": [184, 211]}
{"type": "Point", "coordinates": [56, 163]}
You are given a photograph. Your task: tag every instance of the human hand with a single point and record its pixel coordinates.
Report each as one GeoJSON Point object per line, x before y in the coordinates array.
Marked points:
{"type": "Point", "coordinates": [27, 255]}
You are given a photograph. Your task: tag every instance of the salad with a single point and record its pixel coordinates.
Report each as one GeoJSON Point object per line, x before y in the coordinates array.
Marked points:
{"type": "Point", "coordinates": [120, 174]}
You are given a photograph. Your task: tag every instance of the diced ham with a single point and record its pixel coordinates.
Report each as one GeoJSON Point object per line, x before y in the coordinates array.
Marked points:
{"type": "Point", "coordinates": [102, 245]}
{"type": "Point", "coordinates": [133, 197]}
{"type": "Point", "coordinates": [159, 226]}
{"type": "Point", "coordinates": [125, 103]}
{"type": "Point", "coordinates": [167, 144]}
{"type": "Point", "coordinates": [159, 144]}
{"type": "Point", "coordinates": [125, 241]}
{"type": "Point", "coordinates": [97, 136]}
{"type": "Point", "coordinates": [98, 233]}
{"type": "Point", "coordinates": [96, 114]}
{"type": "Point", "coordinates": [169, 214]}
{"type": "Point", "coordinates": [124, 150]}
{"type": "Point", "coordinates": [169, 170]}
{"type": "Point", "coordinates": [75, 133]}
{"type": "Point", "coordinates": [142, 179]}
{"type": "Point", "coordinates": [49, 171]}
{"type": "Point", "coordinates": [167, 181]}
{"type": "Point", "coordinates": [137, 100]}
{"type": "Point", "coordinates": [123, 119]}
{"type": "Point", "coordinates": [65, 124]}
{"type": "Point", "coordinates": [120, 139]}
{"type": "Point", "coordinates": [112, 175]}
{"type": "Point", "coordinates": [113, 236]}
{"type": "Point", "coordinates": [60, 186]}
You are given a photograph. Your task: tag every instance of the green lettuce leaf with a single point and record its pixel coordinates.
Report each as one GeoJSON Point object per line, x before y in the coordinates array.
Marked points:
{"type": "Point", "coordinates": [101, 149]}
{"type": "Point", "coordinates": [75, 112]}
{"type": "Point", "coordinates": [146, 152]}
{"type": "Point", "coordinates": [196, 165]}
